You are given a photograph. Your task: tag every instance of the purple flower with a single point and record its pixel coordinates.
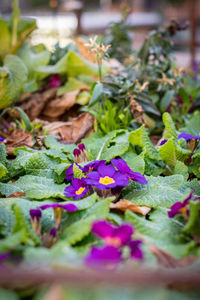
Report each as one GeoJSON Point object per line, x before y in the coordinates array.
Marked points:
{"type": "Point", "coordinates": [35, 214]}
{"type": "Point", "coordinates": [180, 207]}
{"type": "Point", "coordinates": [77, 190]}
{"type": "Point", "coordinates": [93, 165]}
{"type": "Point", "coordinates": [163, 142]}
{"type": "Point", "coordinates": [115, 236]}
{"type": "Point", "coordinates": [68, 206]}
{"type": "Point", "coordinates": [77, 152]}
{"type": "Point", "coordinates": [69, 172]}
{"type": "Point", "coordinates": [53, 232]}
{"type": "Point", "coordinates": [55, 81]}
{"type": "Point", "coordinates": [1, 139]}
{"type": "Point", "coordinates": [4, 256]}
{"type": "Point", "coordinates": [136, 252]}
{"type": "Point", "coordinates": [107, 177]}
{"type": "Point", "coordinates": [122, 166]}
{"type": "Point", "coordinates": [106, 257]}
{"type": "Point", "coordinates": [81, 147]}
{"type": "Point", "coordinates": [188, 136]}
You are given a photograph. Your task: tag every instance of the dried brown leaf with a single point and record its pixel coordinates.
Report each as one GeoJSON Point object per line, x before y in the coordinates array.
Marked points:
{"type": "Point", "coordinates": [17, 195]}
{"type": "Point", "coordinates": [167, 260]}
{"type": "Point", "coordinates": [124, 204]}
{"type": "Point", "coordinates": [18, 138]}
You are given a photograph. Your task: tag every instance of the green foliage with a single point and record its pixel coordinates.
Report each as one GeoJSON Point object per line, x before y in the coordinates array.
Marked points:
{"type": "Point", "coordinates": [13, 76]}
{"type": "Point", "coordinates": [159, 192]}
{"type": "Point", "coordinates": [193, 225]}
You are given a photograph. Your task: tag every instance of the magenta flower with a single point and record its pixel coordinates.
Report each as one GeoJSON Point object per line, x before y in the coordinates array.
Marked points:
{"type": "Point", "coordinates": [69, 172]}
{"type": "Point", "coordinates": [77, 190]}
{"type": "Point", "coordinates": [115, 236]}
{"type": "Point", "coordinates": [55, 81]}
{"type": "Point", "coordinates": [36, 215]}
{"type": "Point", "coordinates": [81, 147]}
{"type": "Point", "coordinates": [181, 207]}
{"type": "Point", "coordinates": [188, 136]}
{"type": "Point", "coordinates": [1, 139]}
{"type": "Point", "coordinates": [106, 257]}
{"type": "Point", "coordinates": [107, 177]}
{"type": "Point", "coordinates": [122, 166]}
{"type": "Point", "coordinates": [4, 256]}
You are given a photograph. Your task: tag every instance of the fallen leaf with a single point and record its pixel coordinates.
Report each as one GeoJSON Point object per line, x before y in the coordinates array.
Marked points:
{"type": "Point", "coordinates": [54, 292]}
{"type": "Point", "coordinates": [36, 103]}
{"type": "Point", "coordinates": [17, 195]}
{"type": "Point", "coordinates": [58, 106]}
{"type": "Point", "coordinates": [81, 126]}
{"type": "Point", "coordinates": [84, 51]}
{"type": "Point", "coordinates": [124, 204]}
{"type": "Point", "coordinates": [167, 260]}
{"type": "Point", "coordinates": [18, 138]}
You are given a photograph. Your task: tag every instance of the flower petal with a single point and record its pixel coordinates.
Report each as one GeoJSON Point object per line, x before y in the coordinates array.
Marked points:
{"type": "Point", "coordinates": [102, 229]}
{"type": "Point", "coordinates": [136, 252]}
{"type": "Point", "coordinates": [121, 165]}
{"type": "Point", "coordinates": [137, 177]}
{"type": "Point", "coordinates": [106, 170]}
{"type": "Point", "coordinates": [124, 233]}
{"type": "Point", "coordinates": [69, 207]}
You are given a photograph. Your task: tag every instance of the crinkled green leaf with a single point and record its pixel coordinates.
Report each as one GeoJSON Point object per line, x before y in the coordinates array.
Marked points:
{"type": "Point", "coordinates": [182, 169]}
{"type": "Point", "coordinates": [195, 167]}
{"type": "Point", "coordinates": [162, 231]}
{"type": "Point", "coordinates": [6, 221]}
{"type": "Point", "coordinates": [51, 142]}
{"type": "Point", "coordinates": [3, 170]}
{"type": "Point", "coordinates": [78, 230]}
{"type": "Point", "coordinates": [170, 129]}
{"type": "Point", "coordinates": [134, 161]}
{"type": "Point", "coordinates": [159, 192]}
{"type": "Point", "coordinates": [12, 84]}
{"type": "Point", "coordinates": [35, 187]}
{"type": "Point", "coordinates": [77, 172]}
{"type": "Point", "coordinates": [71, 85]}
{"type": "Point", "coordinates": [193, 224]}
{"type": "Point", "coordinates": [3, 154]}
{"type": "Point", "coordinates": [152, 168]}
{"type": "Point", "coordinates": [168, 153]}
{"type": "Point", "coordinates": [12, 241]}
{"type": "Point", "coordinates": [140, 138]}
{"type": "Point", "coordinates": [4, 38]}
{"type": "Point", "coordinates": [73, 65]}
{"type": "Point", "coordinates": [193, 126]}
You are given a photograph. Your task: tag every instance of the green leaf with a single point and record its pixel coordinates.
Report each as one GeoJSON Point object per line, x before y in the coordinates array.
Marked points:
{"type": "Point", "coordinates": [25, 118]}
{"type": "Point", "coordinates": [134, 161]}
{"type": "Point", "coordinates": [159, 192]}
{"type": "Point", "coordinates": [71, 85]}
{"type": "Point", "coordinates": [170, 130]}
{"type": "Point", "coordinates": [33, 59]}
{"type": "Point", "coordinates": [96, 93]}
{"type": "Point", "coordinates": [8, 295]}
{"type": "Point", "coordinates": [22, 224]}
{"type": "Point", "coordinates": [51, 142]}
{"type": "Point", "coordinates": [4, 38]}
{"type": "Point", "coordinates": [77, 172]}
{"type": "Point", "coordinates": [78, 230]}
{"type": "Point", "coordinates": [35, 187]}
{"type": "Point", "coordinates": [6, 221]}
{"type": "Point", "coordinates": [13, 83]}
{"type": "Point", "coordinates": [71, 64]}
{"type": "Point", "coordinates": [168, 153]}
{"type": "Point", "coordinates": [140, 138]}
{"type": "Point", "coordinates": [166, 100]}
{"type": "Point", "coordinates": [3, 170]}
{"type": "Point", "coordinates": [162, 231]}
{"type": "Point", "coordinates": [12, 241]}
{"type": "Point", "coordinates": [193, 224]}
{"type": "Point", "coordinates": [182, 169]}
{"type": "Point", "coordinates": [193, 126]}
{"type": "Point", "coordinates": [3, 154]}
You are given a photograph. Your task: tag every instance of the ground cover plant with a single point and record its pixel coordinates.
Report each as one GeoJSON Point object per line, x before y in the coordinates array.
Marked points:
{"type": "Point", "coordinates": [104, 187]}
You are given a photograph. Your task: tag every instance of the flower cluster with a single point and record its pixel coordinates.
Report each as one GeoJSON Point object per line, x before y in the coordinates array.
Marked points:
{"type": "Point", "coordinates": [188, 137]}
{"type": "Point", "coordinates": [182, 207]}
{"type": "Point", "coordinates": [115, 239]}
{"type": "Point", "coordinates": [99, 176]}
{"type": "Point", "coordinates": [58, 208]}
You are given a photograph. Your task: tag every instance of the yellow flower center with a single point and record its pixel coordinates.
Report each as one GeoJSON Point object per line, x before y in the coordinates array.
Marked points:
{"type": "Point", "coordinates": [80, 190]}
{"type": "Point", "coordinates": [106, 180]}
{"type": "Point", "coordinates": [114, 241]}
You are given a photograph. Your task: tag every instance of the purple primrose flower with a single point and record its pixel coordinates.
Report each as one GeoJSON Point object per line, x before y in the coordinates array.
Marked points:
{"type": "Point", "coordinates": [77, 190]}
{"type": "Point", "coordinates": [115, 238]}
{"type": "Point", "coordinates": [122, 166]}
{"type": "Point", "coordinates": [188, 136]}
{"type": "Point", "coordinates": [68, 206]}
{"type": "Point", "coordinates": [93, 165]}
{"type": "Point", "coordinates": [163, 142]}
{"type": "Point", "coordinates": [181, 207]}
{"type": "Point", "coordinates": [107, 257]}
{"type": "Point", "coordinates": [35, 214]}
{"type": "Point", "coordinates": [106, 177]}
{"type": "Point", "coordinates": [1, 139]}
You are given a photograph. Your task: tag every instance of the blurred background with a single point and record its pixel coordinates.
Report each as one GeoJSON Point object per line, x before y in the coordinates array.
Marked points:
{"type": "Point", "coordinates": [58, 20]}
